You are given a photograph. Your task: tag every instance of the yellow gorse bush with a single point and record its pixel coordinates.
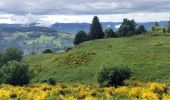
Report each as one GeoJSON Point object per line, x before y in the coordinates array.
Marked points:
{"type": "Point", "coordinates": [72, 58]}
{"type": "Point", "coordinates": [156, 87]}
{"type": "Point", "coordinates": [77, 91]}
{"type": "Point", "coordinates": [166, 97]}
{"type": "Point", "coordinates": [135, 92]}
{"type": "Point", "coordinates": [149, 95]}
{"type": "Point", "coordinates": [5, 94]}
{"type": "Point", "coordinates": [122, 90]}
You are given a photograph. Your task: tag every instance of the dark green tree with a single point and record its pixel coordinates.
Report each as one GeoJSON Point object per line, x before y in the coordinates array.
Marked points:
{"type": "Point", "coordinates": [1, 59]}
{"type": "Point", "coordinates": [11, 53]}
{"type": "Point", "coordinates": [109, 33]}
{"type": "Point", "coordinates": [164, 30]}
{"type": "Point", "coordinates": [168, 26]}
{"type": "Point", "coordinates": [80, 37]}
{"type": "Point", "coordinates": [141, 29]}
{"type": "Point", "coordinates": [156, 24]}
{"type": "Point", "coordinates": [127, 28]}
{"type": "Point", "coordinates": [15, 73]}
{"type": "Point", "coordinates": [96, 31]}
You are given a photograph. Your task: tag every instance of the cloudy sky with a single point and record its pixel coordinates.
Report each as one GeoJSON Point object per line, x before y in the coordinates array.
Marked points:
{"type": "Point", "coordinates": [48, 12]}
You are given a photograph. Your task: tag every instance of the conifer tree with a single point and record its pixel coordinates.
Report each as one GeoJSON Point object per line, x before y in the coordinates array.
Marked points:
{"type": "Point", "coordinates": [96, 31]}
{"type": "Point", "coordinates": [156, 24]}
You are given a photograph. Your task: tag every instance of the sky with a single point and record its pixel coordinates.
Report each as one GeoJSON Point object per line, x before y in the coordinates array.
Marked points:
{"type": "Point", "coordinates": [47, 12]}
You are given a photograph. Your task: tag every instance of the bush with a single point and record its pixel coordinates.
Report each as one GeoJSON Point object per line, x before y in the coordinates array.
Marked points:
{"type": "Point", "coordinates": [80, 37]}
{"type": "Point", "coordinates": [11, 53]}
{"type": "Point", "coordinates": [50, 81]}
{"type": "Point", "coordinates": [109, 33]}
{"type": "Point", "coordinates": [68, 49]}
{"type": "Point", "coordinates": [141, 30]}
{"type": "Point", "coordinates": [113, 76]}
{"type": "Point", "coordinates": [47, 51]}
{"type": "Point", "coordinates": [33, 53]}
{"type": "Point", "coordinates": [15, 73]}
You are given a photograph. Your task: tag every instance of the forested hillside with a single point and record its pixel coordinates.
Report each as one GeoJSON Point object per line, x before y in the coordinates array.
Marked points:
{"type": "Point", "coordinates": [34, 39]}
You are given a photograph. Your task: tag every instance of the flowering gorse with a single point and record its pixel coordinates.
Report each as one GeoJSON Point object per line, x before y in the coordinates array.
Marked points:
{"type": "Point", "coordinates": [77, 91]}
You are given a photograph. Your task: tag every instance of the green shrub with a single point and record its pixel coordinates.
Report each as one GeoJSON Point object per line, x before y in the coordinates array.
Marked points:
{"type": "Point", "coordinates": [47, 51]}
{"type": "Point", "coordinates": [68, 49]}
{"type": "Point", "coordinates": [50, 81]}
{"type": "Point", "coordinates": [15, 73]}
{"type": "Point", "coordinates": [109, 33]}
{"type": "Point", "coordinates": [33, 53]}
{"type": "Point", "coordinates": [113, 76]}
{"type": "Point", "coordinates": [11, 53]}
{"type": "Point", "coordinates": [80, 37]}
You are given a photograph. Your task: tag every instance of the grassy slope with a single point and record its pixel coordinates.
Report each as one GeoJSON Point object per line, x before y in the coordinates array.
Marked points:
{"type": "Point", "coordinates": [148, 56]}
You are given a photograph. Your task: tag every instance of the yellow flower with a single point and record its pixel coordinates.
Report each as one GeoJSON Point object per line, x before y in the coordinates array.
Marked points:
{"type": "Point", "coordinates": [122, 90]}
{"type": "Point", "coordinates": [166, 97]}
{"type": "Point", "coordinates": [71, 98]}
{"type": "Point", "coordinates": [41, 96]}
{"type": "Point", "coordinates": [156, 87]}
{"type": "Point", "coordinates": [135, 92]}
{"type": "Point", "coordinates": [149, 91]}
{"type": "Point", "coordinates": [148, 95]}
{"type": "Point", "coordinates": [109, 91]}
{"type": "Point", "coordinates": [89, 98]}
{"type": "Point", "coordinates": [45, 87]}
{"type": "Point", "coordinates": [4, 94]}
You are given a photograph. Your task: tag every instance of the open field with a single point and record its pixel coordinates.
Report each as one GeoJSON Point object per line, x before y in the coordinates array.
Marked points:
{"type": "Point", "coordinates": [148, 57]}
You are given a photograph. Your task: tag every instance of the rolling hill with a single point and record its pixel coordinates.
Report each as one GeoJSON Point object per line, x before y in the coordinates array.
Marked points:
{"type": "Point", "coordinates": [147, 55]}
{"type": "Point", "coordinates": [33, 38]}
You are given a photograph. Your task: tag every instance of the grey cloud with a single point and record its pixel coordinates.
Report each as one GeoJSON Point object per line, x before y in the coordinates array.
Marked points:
{"type": "Point", "coordinates": [82, 7]}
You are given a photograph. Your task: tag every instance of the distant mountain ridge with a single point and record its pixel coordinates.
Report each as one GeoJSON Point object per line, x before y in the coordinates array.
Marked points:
{"type": "Point", "coordinates": [27, 29]}
{"type": "Point", "coordinates": [73, 28]}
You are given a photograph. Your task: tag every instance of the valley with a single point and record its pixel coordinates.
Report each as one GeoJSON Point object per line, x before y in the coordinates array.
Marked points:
{"type": "Point", "coordinates": [35, 39]}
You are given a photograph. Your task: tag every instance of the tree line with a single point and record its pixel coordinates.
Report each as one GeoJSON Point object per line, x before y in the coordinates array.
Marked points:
{"type": "Point", "coordinates": [127, 28]}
